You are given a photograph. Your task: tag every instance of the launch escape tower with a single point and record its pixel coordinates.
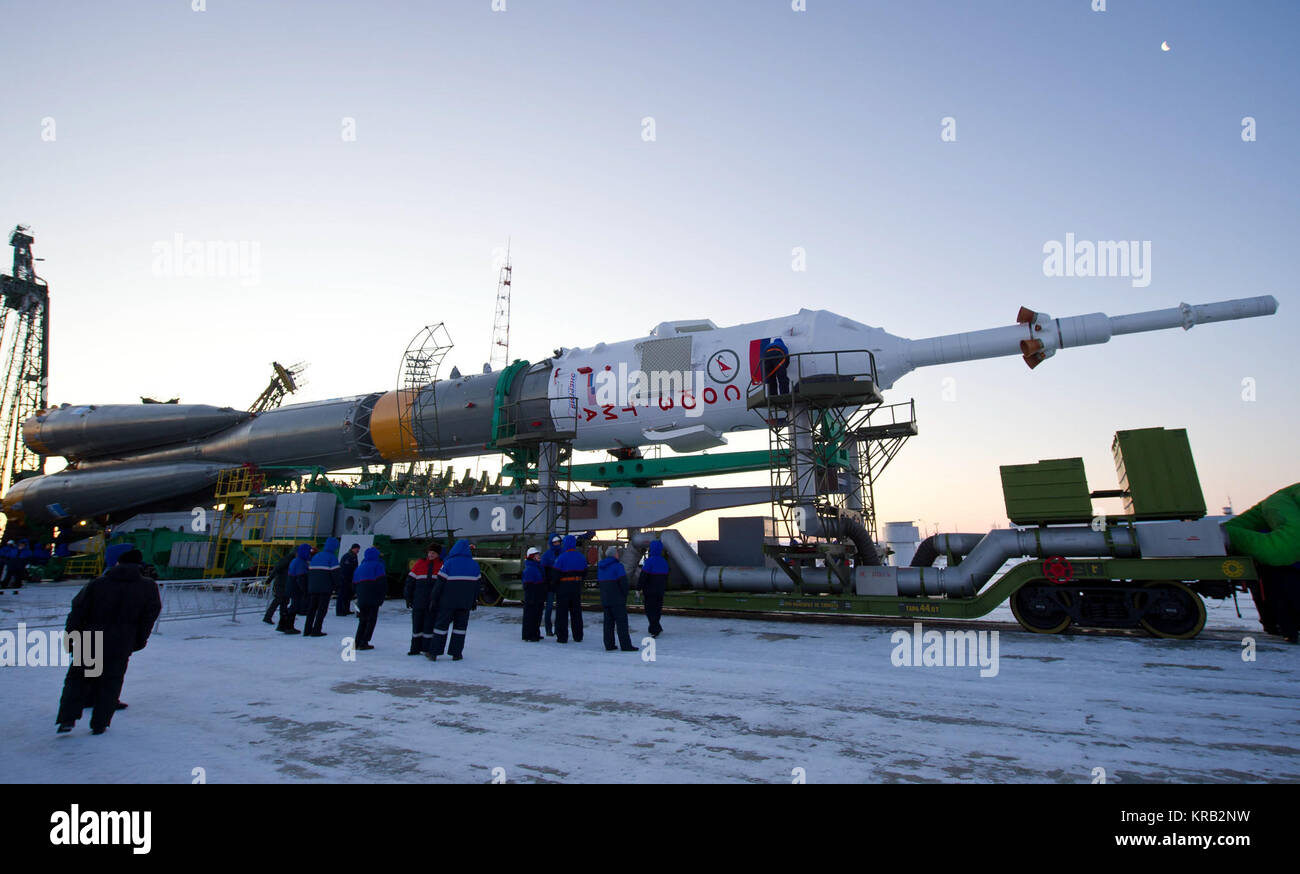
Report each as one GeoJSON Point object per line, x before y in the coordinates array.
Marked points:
{"type": "Point", "coordinates": [25, 332]}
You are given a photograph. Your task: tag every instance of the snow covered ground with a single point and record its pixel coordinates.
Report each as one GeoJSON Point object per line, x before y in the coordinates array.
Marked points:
{"type": "Point", "coordinates": [724, 700]}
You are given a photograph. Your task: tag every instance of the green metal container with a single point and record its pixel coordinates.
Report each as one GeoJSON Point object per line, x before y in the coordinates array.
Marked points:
{"type": "Point", "coordinates": [1156, 468]}
{"type": "Point", "coordinates": [1055, 490]}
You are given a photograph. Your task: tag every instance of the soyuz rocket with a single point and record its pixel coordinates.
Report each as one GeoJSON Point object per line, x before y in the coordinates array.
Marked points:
{"type": "Point", "coordinates": [612, 396]}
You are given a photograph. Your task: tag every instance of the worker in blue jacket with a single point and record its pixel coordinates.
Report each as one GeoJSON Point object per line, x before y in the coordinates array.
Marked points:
{"type": "Point", "coordinates": [654, 582]}
{"type": "Point", "coordinates": [322, 578]}
{"type": "Point", "coordinates": [775, 358]}
{"type": "Point", "coordinates": [371, 582]}
{"type": "Point", "coordinates": [570, 569]}
{"type": "Point", "coordinates": [548, 572]}
{"type": "Point", "coordinates": [348, 562]}
{"type": "Point", "coordinates": [456, 593]}
{"type": "Point", "coordinates": [534, 594]}
{"type": "Point", "coordinates": [8, 553]}
{"type": "Point", "coordinates": [297, 588]}
{"type": "Point", "coordinates": [613, 599]}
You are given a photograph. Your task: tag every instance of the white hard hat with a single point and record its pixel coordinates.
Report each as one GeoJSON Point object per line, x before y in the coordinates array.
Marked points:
{"type": "Point", "coordinates": [533, 550]}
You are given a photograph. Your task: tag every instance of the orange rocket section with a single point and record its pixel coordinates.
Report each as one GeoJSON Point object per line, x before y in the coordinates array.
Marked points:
{"type": "Point", "coordinates": [390, 426]}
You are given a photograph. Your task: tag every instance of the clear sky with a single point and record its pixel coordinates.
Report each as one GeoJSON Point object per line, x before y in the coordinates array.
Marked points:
{"type": "Point", "coordinates": [774, 129]}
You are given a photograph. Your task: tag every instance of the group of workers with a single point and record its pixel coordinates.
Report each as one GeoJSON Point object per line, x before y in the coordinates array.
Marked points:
{"type": "Point", "coordinates": [15, 558]}
{"type": "Point", "coordinates": [303, 581]}
{"type": "Point", "coordinates": [441, 593]}
{"type": "Point", "coordinates": [553, 581]}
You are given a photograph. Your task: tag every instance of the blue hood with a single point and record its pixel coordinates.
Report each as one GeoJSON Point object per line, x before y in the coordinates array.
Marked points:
{"type": "Point", "coordinates": [654, 562]}
{"type": "Point", "coordinates": [610, 568]}
{"type": "Point", "coordinates": [328, 557]}
{"type": "Point", "coordinates": [570, 542]}
{"type": "Point", "coordinates": [371, 567]}
{"type": "Point", "coordinates": [460, 550]}
{"type": "Point", "coordinates": [304, 551]}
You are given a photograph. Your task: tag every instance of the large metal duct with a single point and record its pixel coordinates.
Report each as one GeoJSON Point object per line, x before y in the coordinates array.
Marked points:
{"type": "Point", "coordinates": [732, 579]}
{"type": "Point", "coordinates": [996, 547]}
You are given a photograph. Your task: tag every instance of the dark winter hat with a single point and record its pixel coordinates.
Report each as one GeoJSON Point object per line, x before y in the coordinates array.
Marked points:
{"type": "Point", "coordinates": [131, 556]}
{"type": "Point", "coordinates": [354, 546]}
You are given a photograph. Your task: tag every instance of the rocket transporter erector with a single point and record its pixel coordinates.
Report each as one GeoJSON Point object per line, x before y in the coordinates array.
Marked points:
{"type": "Point", "coordinates": [685, 385]}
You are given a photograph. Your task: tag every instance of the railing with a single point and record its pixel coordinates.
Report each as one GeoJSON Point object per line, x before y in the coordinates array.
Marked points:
{"type": "Point", "coordinates": [46, 605]}
{"type": "Point", "coordinates": [795, 373]}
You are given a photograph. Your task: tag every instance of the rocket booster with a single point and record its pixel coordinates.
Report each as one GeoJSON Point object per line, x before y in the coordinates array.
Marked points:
{"type": "Point", "coordinates": [686, 385]}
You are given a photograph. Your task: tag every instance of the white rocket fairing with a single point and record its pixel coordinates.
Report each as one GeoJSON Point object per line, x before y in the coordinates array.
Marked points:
{"type": "Point", "coordinates": [686, 385]}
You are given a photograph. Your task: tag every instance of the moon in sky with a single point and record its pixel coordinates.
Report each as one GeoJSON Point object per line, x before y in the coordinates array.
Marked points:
{"type": "Point", "coordinates": [1164, 46]}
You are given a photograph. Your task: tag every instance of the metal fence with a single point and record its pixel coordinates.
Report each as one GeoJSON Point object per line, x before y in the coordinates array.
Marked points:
{"type": "Point", "coordinates": [46, 605]}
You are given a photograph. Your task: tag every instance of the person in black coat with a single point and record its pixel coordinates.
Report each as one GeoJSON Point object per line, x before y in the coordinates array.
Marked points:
{"type": "Point", "coordinates": [122, 605]}
{"type": "Point", "coordinates": [347, 567]}
{"type": "Point", "coordinates": [279, 589]}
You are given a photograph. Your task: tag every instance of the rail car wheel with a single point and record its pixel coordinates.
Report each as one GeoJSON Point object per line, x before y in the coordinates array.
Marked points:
{"type": "Point", "coordinates": [1171, 610]}
{"type": "Point", "coordinates": [1037, 609]}
{"type": "Point", "coordinates": [488, 596]}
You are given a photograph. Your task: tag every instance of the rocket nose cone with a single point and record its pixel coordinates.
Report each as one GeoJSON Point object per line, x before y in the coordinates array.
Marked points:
{"type": "Point", "coordinates": [12, 502]}
{"type": "Point", "coordinates": [32, 435]}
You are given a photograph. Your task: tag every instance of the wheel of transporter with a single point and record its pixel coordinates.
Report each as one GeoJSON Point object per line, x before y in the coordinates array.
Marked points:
{"type": "Point", "coordinates": [488, 596]}
{"type": "Point", "coordinates": [1036, 608]}
{"type": "Point", "coordinates": [1170, 610]}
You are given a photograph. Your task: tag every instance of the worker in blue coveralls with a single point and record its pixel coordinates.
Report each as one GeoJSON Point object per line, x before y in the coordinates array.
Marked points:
{"type": "Point", "coordinates": [775, 359]}
{"type": "Point", "coordinates": [654, 583]}
{"type": "Point", "coordinates": [534, 594]}
{"type": "Point", "coordinates": [456, 593]}
{"type": "Point", "coordinates": [322, 579]}
{"type": "Point", "coordinates": [371, 581]}
{"type": "Point", "coordinates": [570, 569]}
{"type": "Point", "coordinates": [613, 598]}
{"type": "Point", "coordinates": [296, 589]}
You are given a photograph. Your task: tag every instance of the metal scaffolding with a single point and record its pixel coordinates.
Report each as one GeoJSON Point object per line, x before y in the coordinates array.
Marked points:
{"type": "Point", "coordinates": [417, 425]}
{"type": "Point", "coordinates": [25, 332]}
{"type": "Point", "coordinates": [500, 355]}
{"type": "Point", "coordinates": [829, 438]}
